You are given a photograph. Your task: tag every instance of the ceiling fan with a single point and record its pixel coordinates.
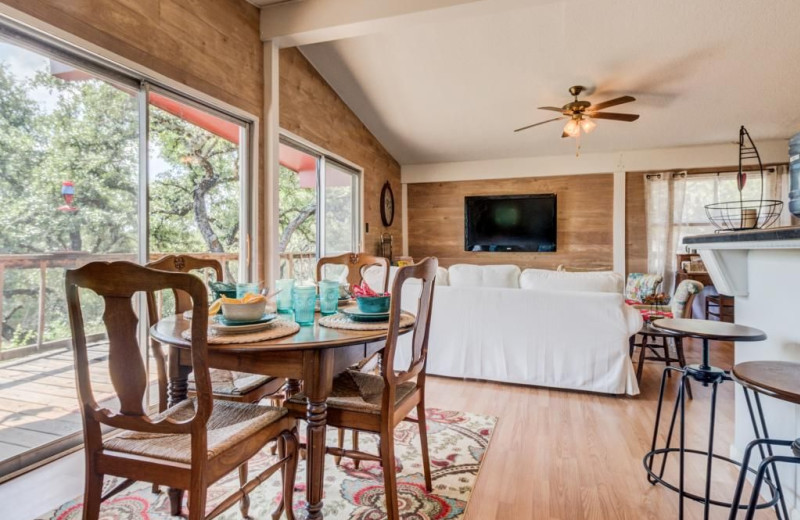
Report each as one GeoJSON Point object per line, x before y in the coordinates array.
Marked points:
{"type": "Point", "coordinates": [582, 113]}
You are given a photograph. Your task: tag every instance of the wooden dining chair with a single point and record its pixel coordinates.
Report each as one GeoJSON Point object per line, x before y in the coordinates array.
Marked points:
{"type": "Point", "coordinates": [378, 403]}
{"type": "Point", "coordinates": [356, 264]}
{"type": "Point", "coordinates": [227, 385]}
{"type": "Point", "coordinates": [188, 446]}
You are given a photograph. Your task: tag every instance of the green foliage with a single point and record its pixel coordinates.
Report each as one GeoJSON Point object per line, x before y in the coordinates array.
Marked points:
{"type": "Point", "coordinates": [86, 131]}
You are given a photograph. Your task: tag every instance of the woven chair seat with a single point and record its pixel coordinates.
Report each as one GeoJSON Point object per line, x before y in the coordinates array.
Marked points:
{"type": "Point", "coordinates": [358, 392]}
{"type": "Point", "coordinates": [229, 424]}
{"type": "Point", "coordinates": [229, 382]}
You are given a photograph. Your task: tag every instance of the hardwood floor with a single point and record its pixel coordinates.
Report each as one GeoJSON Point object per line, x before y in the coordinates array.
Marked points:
{"type": "Point", "coordinates": [554, 455]}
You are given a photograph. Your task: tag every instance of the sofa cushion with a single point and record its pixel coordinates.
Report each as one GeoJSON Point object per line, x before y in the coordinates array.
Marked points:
{"type": "Point", "coordinates": [468, 275]}
{"type": "Point", "coordinates": [546, 280]}
{"type": "Point", "coordinates": [374, 274]}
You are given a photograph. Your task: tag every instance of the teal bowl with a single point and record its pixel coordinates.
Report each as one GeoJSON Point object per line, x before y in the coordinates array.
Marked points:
{"type": "Point", "coordinates": [373, 304]}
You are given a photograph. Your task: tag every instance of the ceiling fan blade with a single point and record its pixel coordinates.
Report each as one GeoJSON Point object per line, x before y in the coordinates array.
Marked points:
{"type": "Point", "coordinates": [537, 124]}
{"type": "Point", "coordinates": [564, 134]}
{"type": "Point", "coordinates": [613, 102]}
{"type": "Point", "coordinates": [554, 109]}
{"type": "Point", "coordinates": [614, 116]}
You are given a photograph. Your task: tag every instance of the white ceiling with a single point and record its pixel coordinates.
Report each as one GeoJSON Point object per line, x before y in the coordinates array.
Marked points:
{"type": "Point", "coordinates": [455, 90]}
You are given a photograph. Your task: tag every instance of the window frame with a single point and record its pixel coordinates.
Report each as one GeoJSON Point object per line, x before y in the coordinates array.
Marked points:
{"type": "Point", "coordinates": [323, 157]}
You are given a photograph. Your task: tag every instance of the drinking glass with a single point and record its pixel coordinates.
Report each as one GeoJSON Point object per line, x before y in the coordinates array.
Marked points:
{"type": "Point", "coordinates": [328, 297]}
{"type": "Point", "coordinates": [304, 298]}
{"type": "Point", "coordinates": [283, 299]}
{"type": "Point", "coordinates": [243, 288]}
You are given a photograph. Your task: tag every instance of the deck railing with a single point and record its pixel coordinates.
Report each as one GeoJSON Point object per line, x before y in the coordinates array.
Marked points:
{"type": "Point", "coordinates": [71, 260]}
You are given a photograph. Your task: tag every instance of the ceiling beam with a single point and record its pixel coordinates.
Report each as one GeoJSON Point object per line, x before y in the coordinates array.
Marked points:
{"type": "Point", "coordinates": [314, 21]}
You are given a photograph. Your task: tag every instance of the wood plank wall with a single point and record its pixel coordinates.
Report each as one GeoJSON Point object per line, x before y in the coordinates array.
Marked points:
{"type": "Point", "coordinates": [585, 204]}
{"type": "Point", "coordinates": [635, 224]}
{"type": "Point", "coordinates": [311, 109]}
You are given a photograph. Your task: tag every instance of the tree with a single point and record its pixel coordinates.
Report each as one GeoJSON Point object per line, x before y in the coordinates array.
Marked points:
{"type": "Point", "coordinates": [53, 130]}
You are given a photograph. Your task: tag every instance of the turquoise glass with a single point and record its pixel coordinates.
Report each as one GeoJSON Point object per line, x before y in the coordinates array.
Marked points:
{"type": "Point", "coordinates": [283, 299]}
{"type": "Point", "coordinates": [304, 299]}
{"type": "Point", "coordinates": [328, 297]}
{"type": "Point", "coordinates": [243, 288]}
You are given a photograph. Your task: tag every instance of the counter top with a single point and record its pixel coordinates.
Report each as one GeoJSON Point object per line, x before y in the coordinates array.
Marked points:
{"type": "Point", "coordinates": [757, 235]}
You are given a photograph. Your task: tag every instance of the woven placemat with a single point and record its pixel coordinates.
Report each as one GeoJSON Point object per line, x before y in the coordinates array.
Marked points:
{"type": "Point", "coordinates": [277, 329]}
{"type": "Point", "coordinates": [341, 321]}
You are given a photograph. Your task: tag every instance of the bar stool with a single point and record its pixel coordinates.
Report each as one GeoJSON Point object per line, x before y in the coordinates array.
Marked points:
{"type": "Point", "coordinates": [781, 380]}
{"type": "Point", "coordinates": [650, 335]}
{"type": "Point", "coordinates": [706, 375]}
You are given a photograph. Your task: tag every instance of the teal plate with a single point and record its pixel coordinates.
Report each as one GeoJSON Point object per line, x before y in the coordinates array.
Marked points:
{"type": "Point", "coordinates": [232, 323]}
{"type": "Point", "coordinates": [367, 317]}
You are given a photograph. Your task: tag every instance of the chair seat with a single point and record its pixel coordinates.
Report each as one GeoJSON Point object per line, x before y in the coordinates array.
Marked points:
{"type": "Point", "coordinates": [358, 392]}
{"type": "Point", "coordinates": [229, 382]}
{"type": "Point", "coordinates": [229, 424]}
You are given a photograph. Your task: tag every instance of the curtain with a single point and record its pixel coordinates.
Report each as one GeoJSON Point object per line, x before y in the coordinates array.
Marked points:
{"type": "Point", "coordinates": [665, 197]}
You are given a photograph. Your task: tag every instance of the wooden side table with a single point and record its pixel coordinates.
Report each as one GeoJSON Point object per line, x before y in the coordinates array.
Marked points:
{"type": "Point", "coordinates": [706, 374]}
{"type": "Point", "coordinates": [648, 333]}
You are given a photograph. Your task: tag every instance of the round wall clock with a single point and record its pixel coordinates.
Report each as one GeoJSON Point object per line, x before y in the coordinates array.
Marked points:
{"type": "Point", "coordinates": [387, 205]}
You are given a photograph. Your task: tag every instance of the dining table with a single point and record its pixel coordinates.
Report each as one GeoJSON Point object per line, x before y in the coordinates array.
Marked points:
{"type": "Point", "coordinates": [313, 355]}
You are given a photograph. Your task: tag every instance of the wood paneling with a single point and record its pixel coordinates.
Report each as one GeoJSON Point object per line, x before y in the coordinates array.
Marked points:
{"type": "Point", "coordinates": [635, 224]}
{"type": "Point", "coordinates": [585, 204]}
{"type": "Point", "coordinates": [311, 109]}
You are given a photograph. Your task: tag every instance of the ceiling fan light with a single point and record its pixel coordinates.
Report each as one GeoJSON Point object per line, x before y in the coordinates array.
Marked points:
{"type": "Point", "coordinates": [587, 125]}
{"type": "Point", "coordinates": [572, 128]}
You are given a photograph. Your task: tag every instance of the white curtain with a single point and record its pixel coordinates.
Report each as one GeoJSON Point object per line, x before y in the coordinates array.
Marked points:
{"type": "Point", "coordinates": [665, 195]}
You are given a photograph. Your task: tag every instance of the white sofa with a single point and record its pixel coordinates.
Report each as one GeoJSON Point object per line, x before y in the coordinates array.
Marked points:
{"type": "Point", "coordinates": [535, 327]}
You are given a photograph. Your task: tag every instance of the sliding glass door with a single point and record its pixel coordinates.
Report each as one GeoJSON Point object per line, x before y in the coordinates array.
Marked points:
{"type": "Point", "coordinates": [318, 208]}
{"type": "Point", "coordinates": [95, 164]}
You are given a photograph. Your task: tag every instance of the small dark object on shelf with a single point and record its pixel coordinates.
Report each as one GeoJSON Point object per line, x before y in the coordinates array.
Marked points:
{"type": "Point", "coordinates": [744, 215]}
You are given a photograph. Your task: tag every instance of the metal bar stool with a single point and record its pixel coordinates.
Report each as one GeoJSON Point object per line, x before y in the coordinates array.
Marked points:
{"type": "Point", "coordinates": [778, 379]}
{"type": "Point", "coordinates": [706, 375]}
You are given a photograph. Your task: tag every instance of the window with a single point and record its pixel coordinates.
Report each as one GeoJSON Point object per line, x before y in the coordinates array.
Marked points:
{"type": "Point", "coordinates": [676, 201]}
{"type": "Point", "coordinates": [318, 209]}
{"type": "Point", "coordinates": [96, 163]}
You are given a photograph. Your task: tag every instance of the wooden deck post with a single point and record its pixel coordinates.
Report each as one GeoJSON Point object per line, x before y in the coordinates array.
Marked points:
{"type": "Point", "coordinates": [2, 280]}
{"type": "Point", "coordinates": [42, 297]}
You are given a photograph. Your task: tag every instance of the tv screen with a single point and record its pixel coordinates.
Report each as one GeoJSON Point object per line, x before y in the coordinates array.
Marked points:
{"type": "Point", "coordinates": [523, 223]}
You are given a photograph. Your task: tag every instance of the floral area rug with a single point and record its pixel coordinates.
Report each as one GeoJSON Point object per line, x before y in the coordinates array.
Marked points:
{"type": "Point", "coordinates": [457, 442]}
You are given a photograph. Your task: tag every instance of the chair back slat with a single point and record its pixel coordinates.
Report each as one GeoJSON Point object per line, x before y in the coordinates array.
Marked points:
{"type": "Point", "coordinates": [125, 365]}
{"type": "Point", "coordinates": [117, 283]}
{"type": "Point", "coordinates": [356, 264]}
{"type": "Point", "coordinates": [173, 264]}
{"type": "Point", "coordinates": [425, 271]}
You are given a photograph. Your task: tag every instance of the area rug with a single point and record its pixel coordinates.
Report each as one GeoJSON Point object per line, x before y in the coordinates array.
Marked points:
{"type": "Point", "coordinates": [457, 442]}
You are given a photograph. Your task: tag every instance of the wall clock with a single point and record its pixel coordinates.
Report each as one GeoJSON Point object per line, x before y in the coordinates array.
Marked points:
{"type": "Point", "coordinates": [387, 205]}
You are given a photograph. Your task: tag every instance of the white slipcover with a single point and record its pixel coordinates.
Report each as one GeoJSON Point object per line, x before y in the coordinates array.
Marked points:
{"type": "Point", "coordinates": [468, 275]}
{"type": "Point", "coordinates": [598, 281]}
{"type": "Point", "coordinates": [567, 339]}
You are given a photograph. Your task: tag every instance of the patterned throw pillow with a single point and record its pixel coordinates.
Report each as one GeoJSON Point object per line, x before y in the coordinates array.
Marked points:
{"type": "Point", "coordinates": [683, 292]}
{"type": "Point", "coordinates": [641, 285]}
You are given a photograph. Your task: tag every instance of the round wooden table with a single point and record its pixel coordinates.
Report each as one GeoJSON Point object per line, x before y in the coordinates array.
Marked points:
{"type": "Point", "coordinates": [706, 374]}
{"type": "Point", "coordinates": [314, 354]}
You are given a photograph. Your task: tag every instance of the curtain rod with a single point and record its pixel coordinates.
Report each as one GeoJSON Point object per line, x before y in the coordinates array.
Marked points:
{"type": "Point", "coordinates": [649, 176]}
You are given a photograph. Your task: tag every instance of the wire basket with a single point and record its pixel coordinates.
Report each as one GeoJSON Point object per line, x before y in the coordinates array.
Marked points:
{"type": "Point", "coordinates": [744, 215]}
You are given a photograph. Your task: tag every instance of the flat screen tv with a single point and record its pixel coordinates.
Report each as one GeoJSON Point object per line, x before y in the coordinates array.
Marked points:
{"type": "Point", "coordinates": [521, 223]}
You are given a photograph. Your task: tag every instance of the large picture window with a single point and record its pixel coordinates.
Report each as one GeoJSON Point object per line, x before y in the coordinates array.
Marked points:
{"type": "Point", "coordinates": [318, 209]}
{"type": "Point", "coordinates": [96, 163]}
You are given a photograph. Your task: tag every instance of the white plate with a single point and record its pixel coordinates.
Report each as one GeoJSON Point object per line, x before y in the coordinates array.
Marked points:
{"type": "Point", "coordinates": [239, 329]}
